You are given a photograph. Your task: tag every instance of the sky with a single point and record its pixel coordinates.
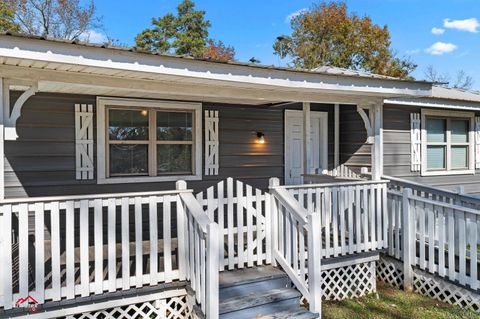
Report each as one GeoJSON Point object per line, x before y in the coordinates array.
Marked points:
{"type": "Point", "coordinates": [443, 33]}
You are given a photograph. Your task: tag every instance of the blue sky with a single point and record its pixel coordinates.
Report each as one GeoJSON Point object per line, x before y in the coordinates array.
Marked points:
{"type": "Point", "coordinates": [251, 26]}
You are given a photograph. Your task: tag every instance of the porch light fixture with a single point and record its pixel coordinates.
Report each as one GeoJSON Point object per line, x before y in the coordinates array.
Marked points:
{"type": "Point", "coordinates": [260, 138]}
{"type": "Point", "coordinates": [144, 112]}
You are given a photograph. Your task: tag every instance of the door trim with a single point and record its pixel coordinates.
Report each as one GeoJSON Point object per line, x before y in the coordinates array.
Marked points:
{"type": "Point", "coordinates": [323, 117]}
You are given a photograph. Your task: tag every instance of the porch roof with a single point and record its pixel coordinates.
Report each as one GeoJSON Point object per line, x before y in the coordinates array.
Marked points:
{"type": "Point", "coordinates": [59, 66]}
{"type": "Point", "coordinates": [443, 98]}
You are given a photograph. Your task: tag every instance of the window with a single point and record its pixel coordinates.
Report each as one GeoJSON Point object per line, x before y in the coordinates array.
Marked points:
{"type": "Point", "coordinates": [447, 142]}
{"type": "Point", "coordinates": [149, 141]}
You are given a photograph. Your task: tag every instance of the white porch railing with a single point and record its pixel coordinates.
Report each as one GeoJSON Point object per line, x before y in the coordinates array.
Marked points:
{"type": "Point", "coordinates": [203, 262]}
{"type": "Point", "coordinates": [82, 245]}
{"type": "Point", "coordinates": [60, 248]}
{"type": "Point", "coordinates": [441, 234]}
{"type": "Point", "coordinates": [292, 225]}
{"type": "Point", "coordinates": [353, 214]}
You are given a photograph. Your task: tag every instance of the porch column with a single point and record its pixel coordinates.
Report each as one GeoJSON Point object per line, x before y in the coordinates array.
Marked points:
{"type": "Point", "coordinates": [307, 147]}
{"type": "Point", "coordinates": [377, 146]}
{"type": "Point", "coordinates": [337, 137]}
{"type": "Point", "coordinates": [4, 104]}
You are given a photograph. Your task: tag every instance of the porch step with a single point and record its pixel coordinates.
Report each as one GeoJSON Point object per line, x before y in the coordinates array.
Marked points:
{"type": "Point", "coordinates": [260, 292]}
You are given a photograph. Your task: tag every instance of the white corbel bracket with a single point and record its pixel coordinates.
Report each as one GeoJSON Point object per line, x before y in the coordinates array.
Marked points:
{"type": "Point", "coordinates": [10, 118]}
{"type": "Point", "coordinates": [367, 120]}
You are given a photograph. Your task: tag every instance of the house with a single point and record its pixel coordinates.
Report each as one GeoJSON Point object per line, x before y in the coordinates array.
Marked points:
{"type": "Point", "coordinates": [137, 184]}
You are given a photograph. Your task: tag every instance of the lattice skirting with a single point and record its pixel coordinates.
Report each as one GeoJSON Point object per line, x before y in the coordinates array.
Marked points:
{"type": "Point", "coordinates": [390, 271]}
{"type": "Point", "coordinates": [169, 308]}
{"type": "Point", "coordinates": [347, 282]}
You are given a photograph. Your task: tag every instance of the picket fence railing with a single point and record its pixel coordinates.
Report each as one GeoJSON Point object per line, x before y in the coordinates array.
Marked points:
{"type": "Point", "coordinates": [243, 216]}
{"type": "Point", "coordinates": [353, 214]}
{"type": "Point", "coordinates": [63, 247]}
{"type": "Point", "coordinates": [439, 230]}
{"type": "Point", "coordinates": [292, 226]}
{"type": "Point", "coordinates": [203, 258]}
{"type": "Point", "coordinates": [60, 248]}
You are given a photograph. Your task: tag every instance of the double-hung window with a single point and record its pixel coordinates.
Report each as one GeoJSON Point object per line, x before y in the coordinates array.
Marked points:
{"type": "Point", "coordinates": [148, 141]}
{"type": "Point", "coordinates": [447, 140]}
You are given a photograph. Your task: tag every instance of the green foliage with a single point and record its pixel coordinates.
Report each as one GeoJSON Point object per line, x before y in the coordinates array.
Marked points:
{"type": "Point", "coordinates": [183, 34]}
{"type": "Point", "coordinates": [7, 18]}
{"type": "Point", "coordinates": [328, 35]}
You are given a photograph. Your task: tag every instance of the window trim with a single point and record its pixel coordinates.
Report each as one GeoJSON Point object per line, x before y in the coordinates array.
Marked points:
{"type": "Point", "coordinates": [104, 103]}
{"type": "Point", "coordinates": [470, 116]}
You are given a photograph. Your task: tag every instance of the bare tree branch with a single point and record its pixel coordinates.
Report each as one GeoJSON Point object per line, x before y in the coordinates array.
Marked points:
{"type": "Point", "coordinates": [65, 19]}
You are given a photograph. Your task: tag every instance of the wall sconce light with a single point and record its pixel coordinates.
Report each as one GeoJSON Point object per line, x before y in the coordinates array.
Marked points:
{"type": "Point", "coordinates": [144, 112]}
{"type": "Point", "coordinates": [260, 138]}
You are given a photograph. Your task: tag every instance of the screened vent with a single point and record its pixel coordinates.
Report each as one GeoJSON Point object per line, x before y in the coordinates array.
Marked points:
{"type": "Point", "coordinates": [211, 143]}
{"type": "Point", "coordinates": [416, 142]}
{"type": "Point", "coordinates": [84, 141]}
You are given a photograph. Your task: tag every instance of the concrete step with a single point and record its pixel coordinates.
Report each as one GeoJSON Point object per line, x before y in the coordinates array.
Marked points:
{"type": "Point", "coordinates": [258, 303]}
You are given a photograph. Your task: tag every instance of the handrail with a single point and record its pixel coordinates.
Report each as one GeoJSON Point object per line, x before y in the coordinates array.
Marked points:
{"type": "Point", "coordinates": [443, 204]}
{"type": "Point", "coordinates": [433, 189]}
{"type": "Point", "coordinates": [196, 210]}
{"type": "Point", "coordinates": [332, 184]}
{"type": "Point", "coordinates": [287, 200]}
{"type": "Point", "coordinates": [92, 196]}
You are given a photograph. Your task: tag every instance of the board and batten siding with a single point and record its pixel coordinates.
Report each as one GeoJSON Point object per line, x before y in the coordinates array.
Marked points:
{"type": "Point", "coordinates": [41, 162]}
{"type": "Point", "coordinates": [397, 163]}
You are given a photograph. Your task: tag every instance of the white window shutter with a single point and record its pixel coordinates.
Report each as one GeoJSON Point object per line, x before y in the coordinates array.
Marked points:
{"type": "Point", "coordinates": [416, 142]}
{"type": "Point", "coordinates": [211, 143]}
{"type": "Point", "coordinates": [84, 141]}
{"type": "Point", "coordinates": [477, 142]}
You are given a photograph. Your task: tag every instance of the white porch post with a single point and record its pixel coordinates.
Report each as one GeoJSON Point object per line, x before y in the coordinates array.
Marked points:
{"type": "Point", "coordinates": [4, 107]}
{"type": "Point", "coordinates": [377, 146]}
{"type": "Point", "coordinates": [307, 147]}
{"type": "Point", "coordinates": [337, 136]}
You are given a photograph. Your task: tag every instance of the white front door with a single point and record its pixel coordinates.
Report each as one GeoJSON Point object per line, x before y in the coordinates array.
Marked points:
{"type": "Point", "coordinates": [294, 145]}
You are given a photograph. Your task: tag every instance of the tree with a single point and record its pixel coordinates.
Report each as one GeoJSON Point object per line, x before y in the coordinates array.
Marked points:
{"type": "Point", "coordinates": [328, 35]}
{"type": "Point", "coordinates": [7, 18]}
{"type": "Point", "coordinates": [218, 51]}
{"type": "Point", "coordinates": [461, 81]}
{"type": "Point", "coordinates": [185, 34]}
{"type": "Point", "coordinates": [64, 19]}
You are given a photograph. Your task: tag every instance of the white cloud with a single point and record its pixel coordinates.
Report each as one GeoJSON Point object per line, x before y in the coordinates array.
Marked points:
{"type": "Point", "coordinates": [440, 48]}
{"type": "Point", "coordinates": [469, 25]}
{"type": "Point", "coordinates": [438, 31]}
{"type": "Point", "coordinates": [414, 51]}
{"type": "Point", "coordinates": [295, 14]}
{"type": "Point", "coordinates": [93, 36]}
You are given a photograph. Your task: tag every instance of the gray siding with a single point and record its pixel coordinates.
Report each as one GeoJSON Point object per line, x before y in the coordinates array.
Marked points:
{"type": "Point", "coordinates": [42, 161]}
{"type": "Point", "coordinates": [397, 152]}
{"type": "Point", "coordinates": [354, 150]}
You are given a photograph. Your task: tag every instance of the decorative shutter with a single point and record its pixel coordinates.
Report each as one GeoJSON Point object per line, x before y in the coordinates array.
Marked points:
{"type": "Point", "coordinates": [84, 141]}
{"type": "Point", "coordinates": [477, 142]}
{"type": "Point", "coordinates": [211, 142]}
{"type": "Point", "coordinates": [416, 141]}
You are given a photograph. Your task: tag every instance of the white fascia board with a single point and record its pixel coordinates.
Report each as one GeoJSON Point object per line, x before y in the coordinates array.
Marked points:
{"type": "Point", "coordinates": [49, 52]}
{"type": "Point", "coordinates": [436, 103]}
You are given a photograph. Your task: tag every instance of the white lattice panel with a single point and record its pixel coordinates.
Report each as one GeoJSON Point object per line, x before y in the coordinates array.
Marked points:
{"type": "Point", "coordinates": [389, 271]}
{"type": "Point", "coordinates": [352, 281]}
{"type": "Point", "coordinates": [170, 308]}
{"type": "Point", "coordinates": [439, 289]}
